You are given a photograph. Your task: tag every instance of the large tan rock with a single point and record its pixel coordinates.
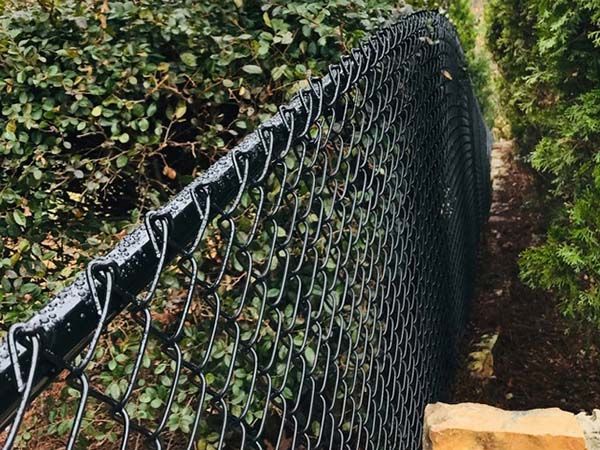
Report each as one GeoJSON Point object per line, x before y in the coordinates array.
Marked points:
{"type": "Point", "coordinates": [470, 426]}
{"type": "Point", "coordinates": [590, 423]}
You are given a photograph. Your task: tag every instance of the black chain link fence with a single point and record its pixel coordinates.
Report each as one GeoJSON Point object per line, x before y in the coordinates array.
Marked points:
{"type": "Point", "coordinates": [306, 292]}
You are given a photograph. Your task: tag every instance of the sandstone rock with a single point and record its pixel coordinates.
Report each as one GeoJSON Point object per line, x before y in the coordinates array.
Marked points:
{"type": "Point", "coordinates": [591, 428]}
{"type": "Point", "coordinates": [471, 426]}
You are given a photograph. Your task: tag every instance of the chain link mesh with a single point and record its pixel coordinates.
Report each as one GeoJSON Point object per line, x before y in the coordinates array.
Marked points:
{"type": "Point", "coordinates": [306, 292]}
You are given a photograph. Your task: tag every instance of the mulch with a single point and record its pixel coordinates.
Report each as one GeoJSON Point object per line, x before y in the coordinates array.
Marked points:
{"type": "Point", "coordinates": [541, 359]}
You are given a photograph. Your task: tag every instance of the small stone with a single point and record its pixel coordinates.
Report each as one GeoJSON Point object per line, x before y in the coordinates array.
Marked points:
{"type": "Point", "coordinates": [497, 219]}
{"type": "Point", "coordinates": [471, 426]}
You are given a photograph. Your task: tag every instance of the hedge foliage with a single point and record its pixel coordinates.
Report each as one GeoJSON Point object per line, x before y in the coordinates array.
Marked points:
{"type": "Point", "coordinates": [111, 106]}
{"type": "Point", "coordinates": [549, 56]}
{"type": "Point", "coordinates": [108, 107]}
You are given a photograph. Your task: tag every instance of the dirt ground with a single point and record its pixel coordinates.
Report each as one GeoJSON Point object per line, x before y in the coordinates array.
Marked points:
{"type": "Point", "coordinates": [540, 359]}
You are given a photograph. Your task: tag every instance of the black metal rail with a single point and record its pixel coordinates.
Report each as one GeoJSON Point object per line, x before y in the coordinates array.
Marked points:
{"type": "Point", "coordinates": [322, 275]}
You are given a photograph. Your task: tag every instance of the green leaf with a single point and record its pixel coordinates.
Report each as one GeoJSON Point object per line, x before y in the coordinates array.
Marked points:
{"type": "Point", "coordinates": [28, 288]}
{"type": "Point", "coordinates": [122, 161]}
{"type": "Point", "coordinates": [252, 69]}
{"type": "Point", "coordinates": [189, 59]}
{"type": "Point", "coordinates": [151, 109]}
{"type": "Point", "coordinates": [124, 138]}
{"type": "Point", "coordinates": [180, 110]}
{"type": "Point", "coordinates": [309, 353]}
{"type": "Point", "coordinates": [97, 111]}
{"type": "Point", "coordinates": [267, 20]}
{"type": "Point", "coordinates": [19, 218]}
{"type": "Point", "coordinates": [278, 71]}
{"type": "Point", "coordinates": [287, 38]}
{"type": "Point", "coordinates": [143, 125]}
{"type": "Point", "coordinates": [114, 391]}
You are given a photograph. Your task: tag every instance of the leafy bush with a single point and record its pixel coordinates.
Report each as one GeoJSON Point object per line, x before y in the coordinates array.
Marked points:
{"type": "Point", "coordinates": [548, 55]}
{"type": "Point", "coordinates": [110, 107]}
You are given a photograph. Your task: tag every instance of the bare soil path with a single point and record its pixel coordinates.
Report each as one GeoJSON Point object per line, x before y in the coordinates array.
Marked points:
{"type": "Point", "coordinates": [540, 359]}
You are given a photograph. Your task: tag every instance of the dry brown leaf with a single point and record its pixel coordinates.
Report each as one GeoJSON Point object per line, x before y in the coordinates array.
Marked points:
{"type": "Point", "coordinates": [447, 74]}
{"type": "Point", "coordinates": [481, 362]}
{"type": "Point", "coordinates": [169, 172]}
{"type": "Point", "coordinates": [104, 9]}
{"type": "Point", "coordinates": [50, 242]}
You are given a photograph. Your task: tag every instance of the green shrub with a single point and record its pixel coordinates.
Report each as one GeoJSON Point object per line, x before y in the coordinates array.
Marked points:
{"type": "Point", "coordinates": [548, 56]}
{"type": "Point", "coordinates": [108, 108]}
{"type": "Point", "coordinates": [111, 106]}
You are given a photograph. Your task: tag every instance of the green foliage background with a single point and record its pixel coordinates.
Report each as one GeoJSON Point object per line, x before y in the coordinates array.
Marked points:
{"type": "Point", "coordinates": [549, 56]}
{"type": "Point", "coordinates": [108, 108]}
